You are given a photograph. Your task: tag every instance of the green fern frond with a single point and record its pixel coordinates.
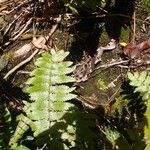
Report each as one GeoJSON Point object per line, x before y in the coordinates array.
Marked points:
{"type": "Point", "coordinates": [111, 135]}
{"type": "Point", "coordinates": [47, 91]}
{"type": "Point", "coordinates": [22, 127]}
{"type": "Point", "coordinates": [147, 126]}
{"type": "Point", "coordinates": [48, 94]}
{"type": "Point", "coordinates": [141, 82]}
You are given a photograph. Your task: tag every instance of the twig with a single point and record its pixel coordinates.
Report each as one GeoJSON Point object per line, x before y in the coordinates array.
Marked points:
{"type": "Point", "coordinates": [112, 83]}
{"type": "Point", "coordinates": [20, 33]}
{"type": "Point", "coordinates": [134, 27]}
{"type": "Point", "coordinates": [107, 66]}
{"type": "Point", "coordinates": [23, 72]}
{"type": "Point", "coordinates": [102, 66]}
{"type": "Point", "coordinates": [19, 5]}
{"type": "Point", "coordinates": [112, 64]}
{"type": "Point", "coordinates": [34, 53]}
{"type": "Point", "coordinates": [54, 27]}
{"type": "Point", "coordinates": [11, 24]}
{"type": "Point", "coordinates": [145, 63]}
{"type": "Point", "coordinates": [24, 28]}
{"type": "Point", "coordinates": [122, 66]}
{"type": "Point", "coordinates": [21, 64]}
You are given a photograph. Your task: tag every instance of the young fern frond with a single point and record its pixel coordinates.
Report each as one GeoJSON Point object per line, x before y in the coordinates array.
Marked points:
{"type": "Point", "coordinates": [48, 94]}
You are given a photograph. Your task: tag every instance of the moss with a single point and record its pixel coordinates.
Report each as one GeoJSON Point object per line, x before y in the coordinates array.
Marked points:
{"type": "Point", "coordinates": [8, 56]}
{"type": "Point", "coordinates": [101, 84]}
{"type": "Point", "coordinates": [89, 87]}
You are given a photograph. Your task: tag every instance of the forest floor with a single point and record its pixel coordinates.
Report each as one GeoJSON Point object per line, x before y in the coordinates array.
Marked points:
{"type": "Point", "coordinates": [98, 78]}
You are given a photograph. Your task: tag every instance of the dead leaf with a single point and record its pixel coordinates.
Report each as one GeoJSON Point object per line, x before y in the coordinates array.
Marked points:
{"type": "Point", "coordinates": [134, 50]}
{"type": "Point", "coordinates": [23, 50]}
{"type": "Point", "coordinates": [40, 43]}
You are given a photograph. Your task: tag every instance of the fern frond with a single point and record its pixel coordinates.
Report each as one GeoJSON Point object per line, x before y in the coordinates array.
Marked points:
{"type": "Point", "coordinates": [141, 82]}
{"type": "Point", "coordinates": [111, 135]}
{"type": "Point", "coordinates": [147, 126]}
{"type": "Point", "coordinates": [48, 94]}
{"type": "Point", "coordinates": [47, 90]}
{"type": "Point", "coordinates": [22, 127]}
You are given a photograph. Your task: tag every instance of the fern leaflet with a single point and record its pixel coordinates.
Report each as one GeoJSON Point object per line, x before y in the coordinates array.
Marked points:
{"type": "Point", "coordinates": [141, 82]}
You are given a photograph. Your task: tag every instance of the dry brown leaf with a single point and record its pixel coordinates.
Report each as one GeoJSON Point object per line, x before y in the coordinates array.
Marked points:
{"type": "Point", "coordinates": [36, 42]}
{"type": "Point", "coordinates": [134, 50]}
{"type": "Point", "coordinates": [23, 50]}
{"type": "Point", "coordinates": [40, 43]}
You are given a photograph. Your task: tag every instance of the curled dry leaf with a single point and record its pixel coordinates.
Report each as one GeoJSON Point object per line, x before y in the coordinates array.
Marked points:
{"type": "Point", "coordinates": [133, 50]}
{"type": "Point", "coordinates": [39, 42]}
{"type": "Point", "coordinates": [36, 42]}
{"type": "Point", "coordinates": [23, 50]}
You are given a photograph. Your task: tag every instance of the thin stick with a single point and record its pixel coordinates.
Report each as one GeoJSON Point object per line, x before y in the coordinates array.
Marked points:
{"type": "Point", "coordinates": [24, 28]}
{"type": "Point", "coordinates": [11, 24]}
{"type": "Point", "coordinates": [54, 27]}
{"type": "Point", "coordinates": [21, 64]}
{"type": "Point", "coordinates": [117, 63]}
{"type": "Point", "coordinates": [112, 64]}
{"type": "Point", "coordinates": [34, 53]}
{"type": "Point", "coordinates": [134, 27]}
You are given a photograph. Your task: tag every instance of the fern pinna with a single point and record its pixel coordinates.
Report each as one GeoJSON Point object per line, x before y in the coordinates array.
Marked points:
{"type": "Point", "coordinates": [48, 94]}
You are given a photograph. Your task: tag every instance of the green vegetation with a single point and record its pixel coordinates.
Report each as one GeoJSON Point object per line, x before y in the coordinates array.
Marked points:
{"type": "Point", "coordinates": [50, 119]}
{"type": "Point", "coordinates": [145, 6]}
{"type": "Point", "coordinates": [47, 104]}
{"type": "Point", "coordinates": [141, 82]}
{"type": "Point", "coordinates": [108, 110]}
